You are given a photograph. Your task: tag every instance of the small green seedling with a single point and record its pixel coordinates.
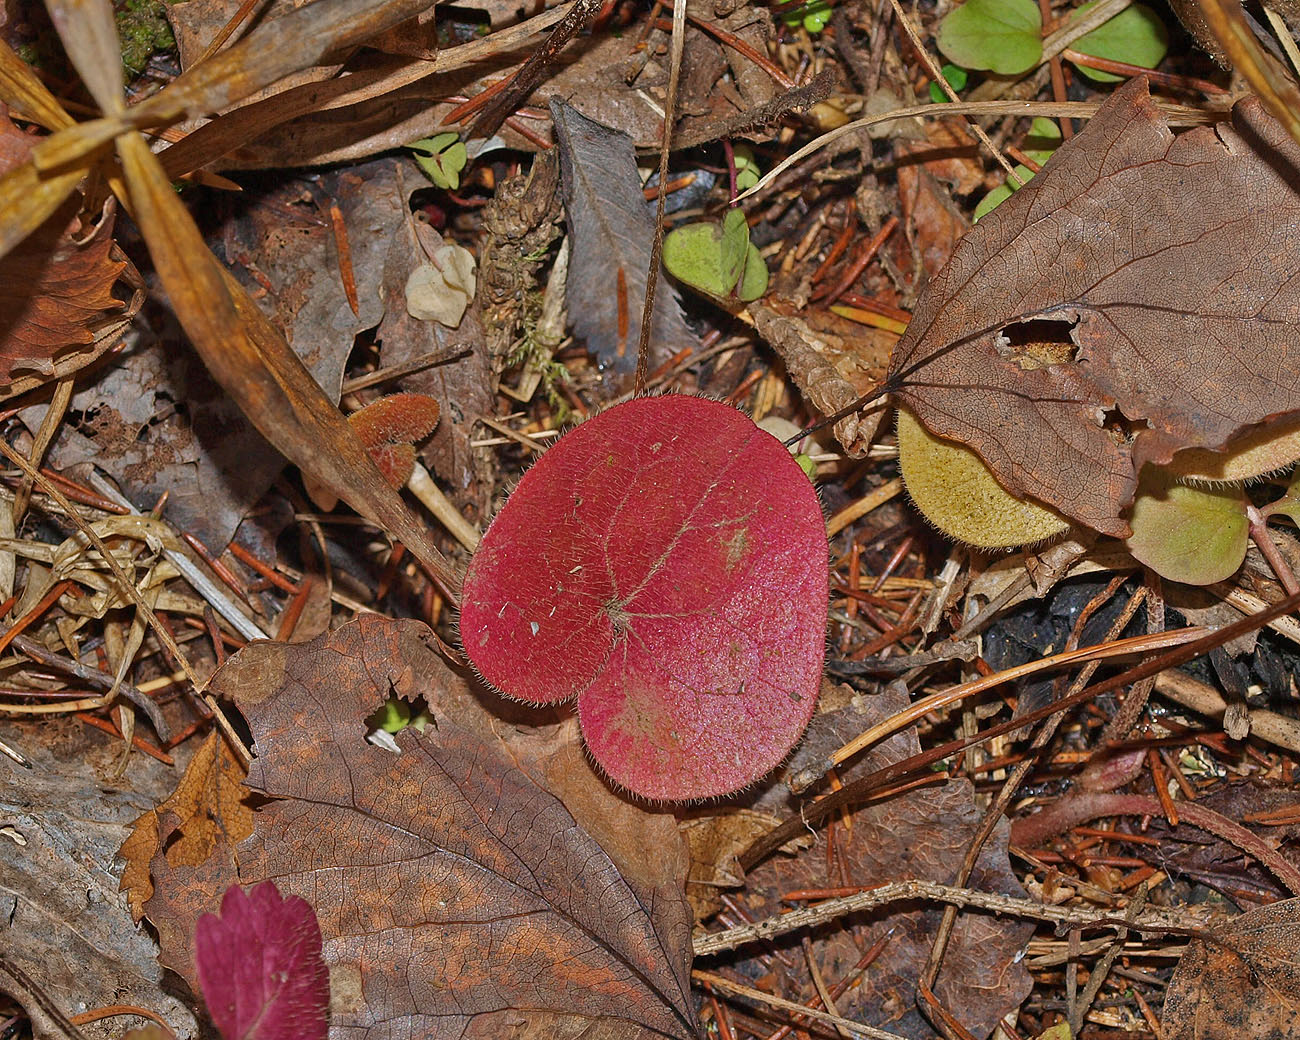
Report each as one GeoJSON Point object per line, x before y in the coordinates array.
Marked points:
{"type": "Point", "coordinates": [395, 715]}
{"type": "Point", "coordinates": [441, 157]}
{"type": "Point", "coordinates": [1135, 36]}
{"type": "Point", "coordinates": [1043, 139]}
{"type": "Point", "coordinates": [1003, 36]}
{"type": "Point", "coordinates": [717, 260]}
{"type": "Point", "coordinates": [747, 169]}
{"type": "Point", "coordinates": [956, 77]}
{"type": "Point", "coordinates": [812, 15]}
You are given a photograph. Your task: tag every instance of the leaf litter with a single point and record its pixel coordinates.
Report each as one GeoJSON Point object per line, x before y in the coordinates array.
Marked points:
{"type": "Point", "coordinates": [608, 872]}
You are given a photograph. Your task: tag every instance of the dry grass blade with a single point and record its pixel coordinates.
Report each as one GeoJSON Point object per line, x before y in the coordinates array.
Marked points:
{"type": "Point", "coordinates": [89, 34]}
{"type": "Point", "coordinates": [26, 95]}
{"type": "Point", "coordinates": [1278, 93]}
{"type": "Point", "coordinates": [249, 357]}
{"type": "Point", "coordinates": [75, 144]}
{"type": "Point", "coordinates": [1175, 115]}
{"type": "Point", "coordinates": [278, 48]}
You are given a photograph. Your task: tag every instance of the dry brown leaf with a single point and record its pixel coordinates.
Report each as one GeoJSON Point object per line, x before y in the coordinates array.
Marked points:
{"type": "Point", "coordinates": [209, 809]}
{"type": "Point", "coordinates": [1173, 258]}
{"type": "Point", "coordinates": [57, 307]}
{"type": "Point", "coordinates": [830, 371]}
{"type": "Point", "coordinates": [456, 897]}
{"type": "Point", "coordinates": [612, 232]}
{"type": "Point", "coordinates": [1243, 980]}
{"type": "Point", "coordinates": [921, 833]}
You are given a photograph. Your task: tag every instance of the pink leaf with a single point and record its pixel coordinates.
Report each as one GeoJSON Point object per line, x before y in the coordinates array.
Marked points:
{"type": "Point", "coordinates": [260, 966]}
{"type": "Point", "coordinates": [664, 563]}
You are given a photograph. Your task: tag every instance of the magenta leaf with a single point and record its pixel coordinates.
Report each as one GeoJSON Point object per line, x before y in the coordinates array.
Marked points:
{"type": "Point", "coordinates": [665, 563]}
{"type": "Point", "coordinates": [260, 966]}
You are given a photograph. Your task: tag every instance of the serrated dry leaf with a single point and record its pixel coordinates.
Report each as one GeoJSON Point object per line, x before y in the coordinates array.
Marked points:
{"type": "Point", "coordinates": [209, 808]}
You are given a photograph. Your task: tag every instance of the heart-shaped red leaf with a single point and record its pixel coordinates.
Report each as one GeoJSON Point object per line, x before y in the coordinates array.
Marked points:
{"type": "Point", "coordinates": [665, 563]}
{"type": "Point", "coordinates": [260, 966]}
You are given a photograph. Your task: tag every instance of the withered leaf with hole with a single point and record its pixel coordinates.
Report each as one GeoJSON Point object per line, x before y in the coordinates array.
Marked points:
{"type": "Point", "coordinates": [613, 229]}
{"type": "Point", "coordinates": [1243, 982]}
{"type": "Point", "coordinates": [1174, 257]}
{"type": "Point", "coordinates": [456, 896]}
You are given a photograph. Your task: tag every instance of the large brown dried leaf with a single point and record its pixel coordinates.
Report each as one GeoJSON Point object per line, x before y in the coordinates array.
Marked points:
{"type": "Point", "coordinates": [1247, 984]}
{"type": "Point", "coordinates": [456, 896]}
{"type": "Point", "coordinates": [612, 230]}
{"type": "Point", "coordinates": [1176, 257]}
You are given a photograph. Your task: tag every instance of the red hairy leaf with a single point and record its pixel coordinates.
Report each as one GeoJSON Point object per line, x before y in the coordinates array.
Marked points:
{"type": "Point", "coordinates": [260, 966]}
{"type": "Point", "coordinates": [665, 564]}
{"type": "Point", "coordinates": [395, 419]}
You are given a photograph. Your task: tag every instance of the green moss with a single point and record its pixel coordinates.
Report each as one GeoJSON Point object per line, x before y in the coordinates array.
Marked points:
{"type": "Point", "coordinates": [144, 32]}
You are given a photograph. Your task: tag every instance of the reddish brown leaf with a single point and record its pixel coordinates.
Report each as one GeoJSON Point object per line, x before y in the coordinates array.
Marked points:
{"type": "Point", "coordinates": [388, 427]}
{"type": "Point", "coordinates": [1243, 982]}
{"type": "Point", "coordinates": [1172, 257]}
{"type": "Point", "coordinates": [456, 897]}
{"type": "Point", "coordinates": [56, 285]}
{"type": "Point", "coordinates": [260, 966]}
{"type": "Point", "coordinates": [396, 419]}
{"type": "Point", "coordinates": [665, 564]}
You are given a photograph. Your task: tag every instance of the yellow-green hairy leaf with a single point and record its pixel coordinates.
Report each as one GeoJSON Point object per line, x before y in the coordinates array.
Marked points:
{"type": "Point", "coordinates": [717, 259]}
{"type": "Point", "coordinates": [1196, 535]}
{"type": "Point", "coordinates": [1289, 504]}
{"type": "Point", "coordinates": [1003, 36]}
{"type": "Point", "coordinates": [1136, 36]}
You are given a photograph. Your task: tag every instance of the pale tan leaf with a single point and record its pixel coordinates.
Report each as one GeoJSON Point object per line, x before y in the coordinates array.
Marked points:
{"type": "Point", "coordinates": [89, 34]}
{"type": "Point", "coordinates": [26, 95]}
